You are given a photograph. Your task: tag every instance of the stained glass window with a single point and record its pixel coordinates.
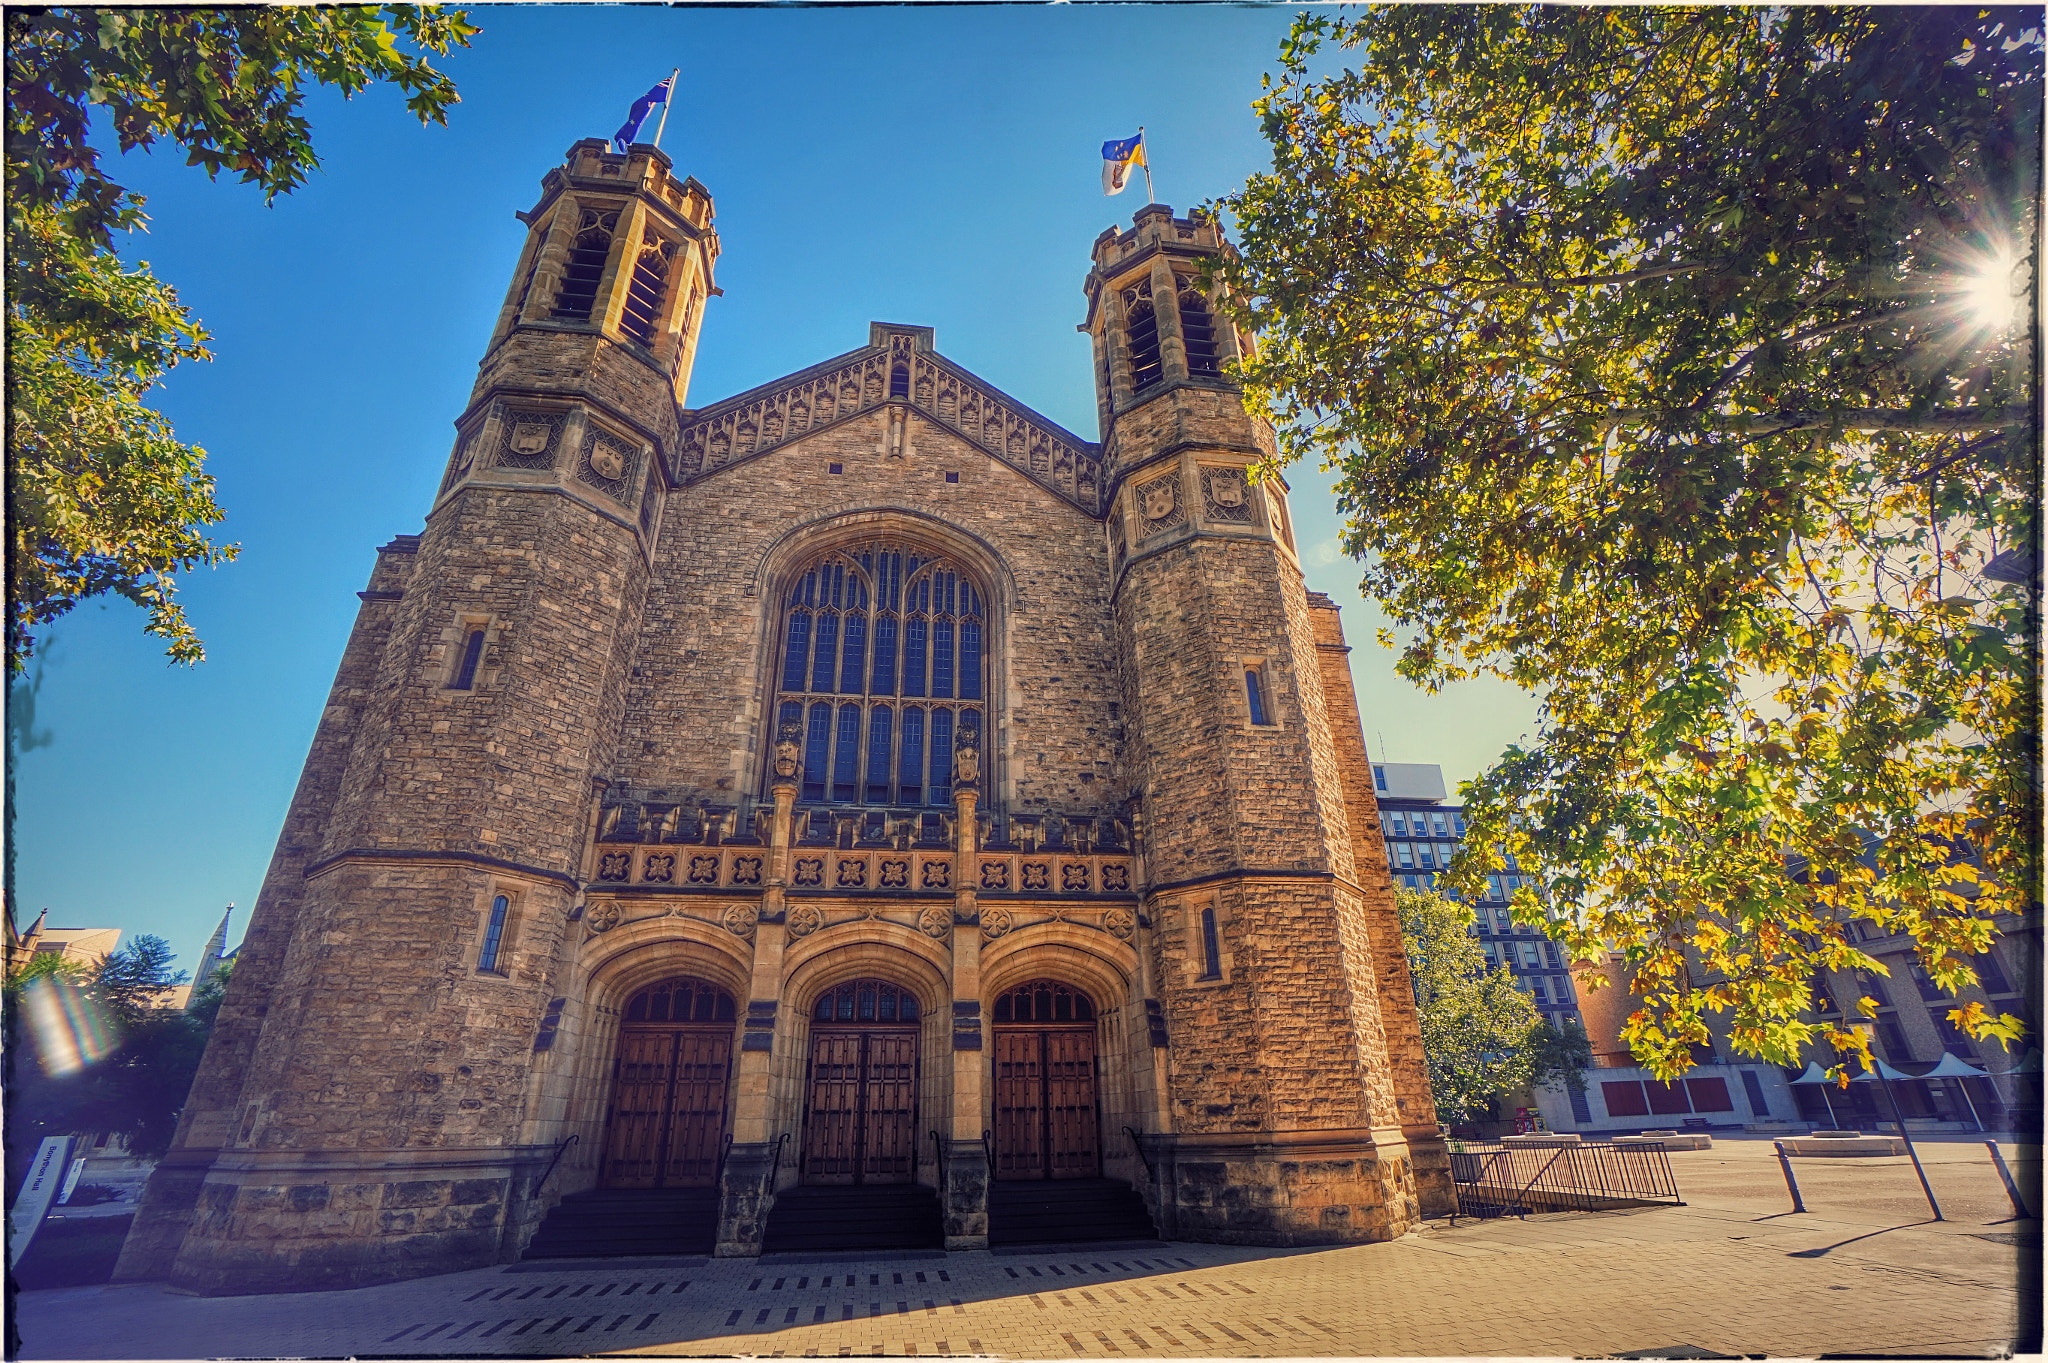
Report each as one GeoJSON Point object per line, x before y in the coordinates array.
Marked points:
{"type": "Point", "coordinates": [882, 621]}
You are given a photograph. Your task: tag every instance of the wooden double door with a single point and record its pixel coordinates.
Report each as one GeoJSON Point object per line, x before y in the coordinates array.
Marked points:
{"type": "Point", "coordinates": [860, 1124]}
{"type": "Point", "coordinates": [669, 1088]}
{"type": "Point", "coordinates": [1048, 1118]}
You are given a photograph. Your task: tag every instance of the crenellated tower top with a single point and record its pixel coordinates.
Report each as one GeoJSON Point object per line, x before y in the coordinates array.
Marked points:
{"type": "Point", "coordinates": [617, 248]}
{"type": "Point", "coordinates": [1155, 328]}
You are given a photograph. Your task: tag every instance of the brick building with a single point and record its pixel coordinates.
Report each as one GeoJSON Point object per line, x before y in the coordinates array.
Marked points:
{"type": "Point", "coordinates": [857, 783]}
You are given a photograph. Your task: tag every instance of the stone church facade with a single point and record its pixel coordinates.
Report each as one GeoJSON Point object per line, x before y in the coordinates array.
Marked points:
{"type": "Point", "coordinates": [860, 779]}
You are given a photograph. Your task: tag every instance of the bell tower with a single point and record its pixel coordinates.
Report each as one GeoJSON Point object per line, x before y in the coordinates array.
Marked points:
{"type": "Point", "coordinates": [377, 1099]}
{"type": "Point", "coordinates": [1295, 1105]}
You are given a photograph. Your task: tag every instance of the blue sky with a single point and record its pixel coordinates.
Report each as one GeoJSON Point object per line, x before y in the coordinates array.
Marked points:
{"type": "Point", "coordinates": [937, 166]}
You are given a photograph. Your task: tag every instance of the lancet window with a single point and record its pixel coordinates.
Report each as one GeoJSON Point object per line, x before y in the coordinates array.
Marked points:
{"type": "Point", "coordinates": [584, 269]}
{"type": "Point", "coordinates": [883, 666]}
{"type": "Point", "coordinates": [1141, 326]}
{"type": "Point", "coordinates": [1198, 330]}
{"type": "Point", "coordinates": [643, 295]}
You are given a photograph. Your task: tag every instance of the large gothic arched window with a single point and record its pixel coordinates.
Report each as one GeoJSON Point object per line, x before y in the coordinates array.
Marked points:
{"type": "Point", "coordinates": [882, 670]}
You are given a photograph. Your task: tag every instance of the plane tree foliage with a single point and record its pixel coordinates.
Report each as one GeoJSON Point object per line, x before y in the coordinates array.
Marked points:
{"type": "Point", "coordinates": [101, 494]}
{"type": "Point", "coordinates": [1678, 366]}
{"type": "Point", "coordinates": [1482, 1038]}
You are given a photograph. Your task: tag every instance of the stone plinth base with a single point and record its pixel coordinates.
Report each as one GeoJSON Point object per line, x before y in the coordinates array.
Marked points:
{"type": "Point", "coordinates": [1286, 1188]}
{"type": "Point", "coordinates": [1670, 1140]}
{"type": "Point", "coordinates": [1845, 1143]}
{"type": "Point", "coordinates": [300, 1221]}
{"type": "Point", "coordinates": [163, 1216]}
{"type": "Point", "coordinates": [745, 1197]}
{"type": "Point", "coordinates": [964, 1195]}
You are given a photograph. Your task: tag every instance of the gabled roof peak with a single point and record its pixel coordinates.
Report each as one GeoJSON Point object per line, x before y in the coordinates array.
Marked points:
{"type": "Point", "coordinates": [898, 365]}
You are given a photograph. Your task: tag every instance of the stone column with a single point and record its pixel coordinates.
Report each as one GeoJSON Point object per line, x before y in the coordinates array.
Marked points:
{"type": "Point", "coordinates": [964, 1197]}
{"type": "Point", "coordinates": [746, 1192]}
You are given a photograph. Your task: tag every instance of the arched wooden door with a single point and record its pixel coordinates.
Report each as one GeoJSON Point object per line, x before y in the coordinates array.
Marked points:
{"type": "Point", "coordinates": [1048, 1123]}
{"type": "Point", "coordinates": [669, 1087]}
{"type": "Point", "coordinates": [860, 1125]}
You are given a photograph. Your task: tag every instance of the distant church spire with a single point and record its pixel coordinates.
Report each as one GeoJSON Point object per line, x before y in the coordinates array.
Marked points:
{"type": "Point", "coordinates": [210, 958]}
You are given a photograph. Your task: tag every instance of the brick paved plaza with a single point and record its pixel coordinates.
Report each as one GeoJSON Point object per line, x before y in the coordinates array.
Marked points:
{"type": "Point", "coordinates": [1733, 1272]}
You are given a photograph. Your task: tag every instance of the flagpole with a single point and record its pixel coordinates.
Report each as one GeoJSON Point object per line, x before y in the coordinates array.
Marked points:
{"type": "Point", "coordinates": [661, 126]}
{"type": "Point", "coordinates": [1148, 164]}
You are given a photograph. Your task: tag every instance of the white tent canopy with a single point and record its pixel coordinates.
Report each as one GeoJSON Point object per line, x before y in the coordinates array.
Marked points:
{"type": "Point", "coordinates": [1869, 1076]}
{"type": "Point", "coordinates": [1952, 1068]}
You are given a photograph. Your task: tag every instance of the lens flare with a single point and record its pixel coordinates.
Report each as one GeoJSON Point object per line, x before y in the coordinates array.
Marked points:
{"type": "Point", "coordinates": [70, 1030]}
{"type": "Point", "coordinates": [1989, 293]}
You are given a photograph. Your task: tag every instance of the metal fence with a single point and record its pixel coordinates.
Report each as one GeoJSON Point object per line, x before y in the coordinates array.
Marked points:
{"type": "Point", "coordinates": [1494, 1179]}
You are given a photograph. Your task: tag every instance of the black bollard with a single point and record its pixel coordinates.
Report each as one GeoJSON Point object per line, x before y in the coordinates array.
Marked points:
{"type": "Point", "coordinates": [1791, 1184]}
{"type": "Point", "coordinates": [2012, 1189]}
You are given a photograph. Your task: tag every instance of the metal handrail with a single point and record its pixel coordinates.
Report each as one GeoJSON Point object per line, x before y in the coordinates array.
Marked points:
{"type": "Point", "coordinates": [777, 1167]}
{"type": "Point", "coordinates": [1150, 1176]}
{"type": "Point", "coordinates": [939, 1155]}
{"type": "Point", "coordinates": [988, 1152]}
{"type": "Point", "coordinates": [723, 1151]}
{"type": "Point", "coordinates": [561, 1147]}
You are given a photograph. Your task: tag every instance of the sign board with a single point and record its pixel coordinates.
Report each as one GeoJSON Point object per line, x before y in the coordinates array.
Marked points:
{"type": "Point", "coordinates": [71, 1180]}
{"type": "Point", "coordinates": [37, 1191]}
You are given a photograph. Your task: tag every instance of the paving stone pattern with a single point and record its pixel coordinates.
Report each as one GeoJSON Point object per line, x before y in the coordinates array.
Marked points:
{"type": "Point", "coordinates": [1572, 1283]}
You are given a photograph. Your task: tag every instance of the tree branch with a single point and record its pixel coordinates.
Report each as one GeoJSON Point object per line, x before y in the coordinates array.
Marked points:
{"type": "Point", "coordinates": [1865, 420]}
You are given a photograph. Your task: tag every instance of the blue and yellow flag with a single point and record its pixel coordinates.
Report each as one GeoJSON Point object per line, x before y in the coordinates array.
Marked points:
{"type": "Point", "coordinates": [1118, 160]}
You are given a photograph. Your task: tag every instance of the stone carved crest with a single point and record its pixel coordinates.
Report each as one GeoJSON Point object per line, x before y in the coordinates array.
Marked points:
{"type": "Point", "coordinates": [607, 461]}
{"type": "Point", "coordinates": [1159, 503]}
{"type": "Point", "coordinates": [1121, 923]}
{"type": "Point", "coordinates": [789, 752]}
{"type": "Point", "coordinates": [739, 919]}
{"type": "Point", "coordinates": [528, 439]}
{"type": "Point", "coordinates": [1226, 496]}
{"type": "Point", "coordinates": [994, 923]}
{"type": "Point", "coordinates": [936, 923]}
{"type": "Point", "coordinates": [602, 917]}
{"type": "Point", "coordinates": [967, 758]}
{"type": "Point", "coordinates": [804, 920]}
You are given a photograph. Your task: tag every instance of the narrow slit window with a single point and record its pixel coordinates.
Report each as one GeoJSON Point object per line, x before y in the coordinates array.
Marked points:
{"type": "Point", "coordinates": [1255, 694]}
{"type": "Point", "coordinates": [899, 381]}
{"type": "Point", "coordinates": [846, 753]}
{"type": "Point", "coordinates": [910, 764]}
{"type": "Point", "coordinates": [1212, 954]}
{"type": "Point", "coordinates": [817, 744]}
{"type": "Point", "coordinates": [494, 936]}
{"type": "Point", "coordinates": [942, 757]}
{"type": "Point", "coordinates": [472, 653]}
